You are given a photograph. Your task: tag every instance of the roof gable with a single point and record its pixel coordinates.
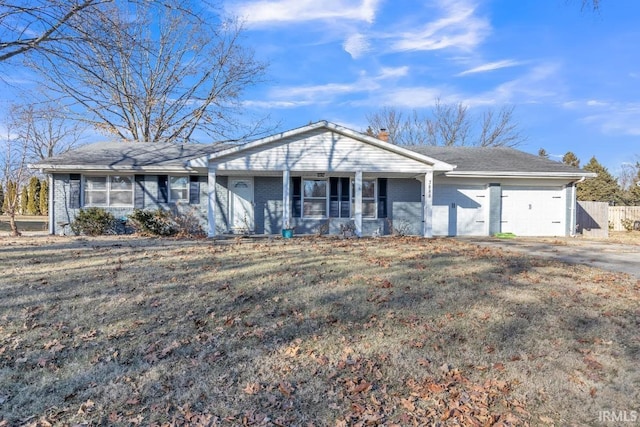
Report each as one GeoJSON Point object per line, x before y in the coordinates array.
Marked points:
{"type": "Point", "coordinates": [321, 146]}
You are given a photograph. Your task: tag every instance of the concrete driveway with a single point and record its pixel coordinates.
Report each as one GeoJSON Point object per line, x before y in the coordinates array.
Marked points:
{"type": "Point", "coordinates": [607, 256]}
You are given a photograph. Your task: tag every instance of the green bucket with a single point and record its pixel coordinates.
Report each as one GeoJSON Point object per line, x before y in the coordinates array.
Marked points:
{"type": "Point", "coordinates": [287, 233]}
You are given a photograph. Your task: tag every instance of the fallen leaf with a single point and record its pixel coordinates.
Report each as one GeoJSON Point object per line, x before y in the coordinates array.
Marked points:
{"type": "Point", "coordinates": [252, 388]}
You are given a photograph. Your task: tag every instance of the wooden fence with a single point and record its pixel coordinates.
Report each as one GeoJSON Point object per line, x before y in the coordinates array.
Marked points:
{"type": "Point", "coordinates": [592, 219]}
{"type": "Point", "coordinates": [619, 213]}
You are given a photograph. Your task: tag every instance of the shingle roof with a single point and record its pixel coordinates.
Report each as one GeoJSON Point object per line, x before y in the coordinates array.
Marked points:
{"type": "Point", "coordinates": [131, 155]}
{"type": "Point", "coordinates": [493, 159]}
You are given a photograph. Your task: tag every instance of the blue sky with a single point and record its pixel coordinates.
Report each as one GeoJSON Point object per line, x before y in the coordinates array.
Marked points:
{"type": "Point", "coordinates": [573, 75]}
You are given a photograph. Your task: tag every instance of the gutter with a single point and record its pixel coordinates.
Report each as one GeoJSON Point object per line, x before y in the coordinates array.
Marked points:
{"type": "Point", "coordinates": [509, 174]}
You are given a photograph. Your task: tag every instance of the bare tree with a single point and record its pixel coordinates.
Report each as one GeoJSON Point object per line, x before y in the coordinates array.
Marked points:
{"type": "Point", "coordinates": [13, 167]}
{"type": "Point", "coordinates": [157, 72]}
{"type": "Point", "coordinates": [628, 175]}
{"type": "Point", "coordinates": [40, 25]}
{"type": "Point", "coordinates": [45, 130]}
{"type": "Point", "coordinates": [449, 125]}
{"type": "Point", "coordinates": [500, 130]}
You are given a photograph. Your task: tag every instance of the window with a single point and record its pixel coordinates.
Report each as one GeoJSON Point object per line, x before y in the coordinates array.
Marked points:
{"type": "Point", "coordinates": [339, 199]}
{"type": "Point", "coordinates": [368, 198]}
{"type": "Point", "coordinates": [178, 188]}
{"type": "Point", "coordinates": [104, 191]}
{"type": "Point", "coordinates": [314, 198]}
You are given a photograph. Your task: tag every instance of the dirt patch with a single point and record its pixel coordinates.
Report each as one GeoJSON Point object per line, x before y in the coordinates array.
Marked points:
{"type": "Point", "coordinates": [123, 331]}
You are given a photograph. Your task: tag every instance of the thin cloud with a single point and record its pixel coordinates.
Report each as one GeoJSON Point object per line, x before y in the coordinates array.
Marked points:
{"type": "Point", "coordinates": [356, 45]}
{"type": "Point", "coordinates": [491, 66]}
{"type": "Point", "coordinates": [459, 27]}
{"type": "Point", "coordinates": [265, 13]}
{"type": "Point", "coordinates": [616, 119]}
{"type": "Point", "coordinates": [294, 96]}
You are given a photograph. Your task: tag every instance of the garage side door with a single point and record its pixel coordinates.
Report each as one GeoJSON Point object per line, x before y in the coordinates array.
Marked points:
{"type": "Point", "coordinates": [460, 210]}
{"type": "Point", "coordinates": [533, 211]}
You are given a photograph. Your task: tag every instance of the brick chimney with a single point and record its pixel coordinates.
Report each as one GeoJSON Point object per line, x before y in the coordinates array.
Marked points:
{"type": "Point", "coordinates": [383, 135]}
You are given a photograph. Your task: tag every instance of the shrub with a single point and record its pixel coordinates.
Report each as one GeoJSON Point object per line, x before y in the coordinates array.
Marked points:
{"type": "Point", "coordinates": [157, 222]}
{"type": "Point", "coordinates": [627, 224]}
{"type": "Point", "coordinates": [93, 222]}
{"type": "Point", "coordinates": [399, 228]}
{"type": "Point", "coordinates": [188, 224]}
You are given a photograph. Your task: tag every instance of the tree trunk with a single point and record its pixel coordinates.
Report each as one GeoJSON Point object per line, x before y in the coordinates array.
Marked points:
{"type": "Point", "coordinates": [14, 226]}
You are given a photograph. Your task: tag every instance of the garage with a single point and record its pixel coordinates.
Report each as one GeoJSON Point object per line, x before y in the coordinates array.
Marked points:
{"type": "Point", "coordinates": [460, 210]}
{"type": "Point", "coordinates": [533, 211]}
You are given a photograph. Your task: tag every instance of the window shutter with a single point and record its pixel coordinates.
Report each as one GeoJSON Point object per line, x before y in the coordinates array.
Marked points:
{"type": "Point", "coordinates": [382, 197]}
{"type": "Point", "coordinates": [74, 191]}
{"type": "Point", "coordinates": [194, 190]}
{"type": "Point", "coordinates": [296, 206]}
{"type": "Point", "coordinates": [138, 192]}
{"type": "Point", "coordinates": [163, 188]}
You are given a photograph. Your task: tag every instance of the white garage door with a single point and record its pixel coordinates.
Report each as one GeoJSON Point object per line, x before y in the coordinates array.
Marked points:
{"type": "Point", "coordinates": [460, 210]}
{"type": "Point", "coordinates": [533, 211]}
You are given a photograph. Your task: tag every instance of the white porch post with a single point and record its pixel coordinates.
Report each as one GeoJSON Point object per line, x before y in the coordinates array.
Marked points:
{"type": "Point", "coordinates": [427, 204]}
{"type": "Point", "coordinates": [211, 193]}
{"type": "Point", "coordinates": [286, 198]}
{"type": "Point", "coordinates": [358, 203]}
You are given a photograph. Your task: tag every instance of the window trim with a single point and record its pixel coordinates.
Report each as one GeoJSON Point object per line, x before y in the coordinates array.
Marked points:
{"type": "Point", "coordinates": [187, 189]}
{"type": "Point", "coordinates": [108, 190]}
{"type": "Point", "coordinates": [326, 197]}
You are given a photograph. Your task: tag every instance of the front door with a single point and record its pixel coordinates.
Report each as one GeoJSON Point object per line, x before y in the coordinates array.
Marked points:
{"type": "Point", "coordinates": [241, 205]}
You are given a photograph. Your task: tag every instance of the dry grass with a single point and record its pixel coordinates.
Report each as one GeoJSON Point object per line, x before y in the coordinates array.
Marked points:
{"type": "Point", "coordinates": [122, 331]}
{"type": "Point", "coordinates": [624, 237]}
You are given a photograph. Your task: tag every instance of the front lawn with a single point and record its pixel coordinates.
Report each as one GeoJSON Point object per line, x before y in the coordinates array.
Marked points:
{"type": "Point", "coordinates": [131, 331]}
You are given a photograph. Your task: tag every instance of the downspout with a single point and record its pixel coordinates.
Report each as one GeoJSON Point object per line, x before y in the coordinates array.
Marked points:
{"type": "Point", "coordinates": [572, 233]}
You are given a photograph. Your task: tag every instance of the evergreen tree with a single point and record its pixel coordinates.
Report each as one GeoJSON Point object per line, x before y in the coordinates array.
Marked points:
{"type": "Point", "coordinates": [33, 190]}
{"type": "Point", "coordinates": [44, 197]}
{"type": "Point", "coordinates": [1, 199]}
{"type": "Point", "coordinates": [9, 197]}
{"type": "Point", "coordinates": [603, 188]}
{"type": "Point", "coordinates": [571, 160]}
{"type": "Point", "coordinates": [24, 201]}
{"type": "Point", "coordinates": [543, 153]}
{"type": "Point", "coordinates": [633, 194]}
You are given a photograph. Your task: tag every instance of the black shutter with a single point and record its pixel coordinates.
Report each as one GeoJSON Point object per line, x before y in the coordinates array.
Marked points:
{"type": "Point", "coordinates": [382, 197]}
{"type": "Point", "coordinates": [138, 192]}
{"type": "Point", "coordinates": [194, 190]}
{"type": "Point", "coordinates": [334, 198]}
{"type": "Point", "coordinates": [163, 188]}
{"type": "Point", "coordinates": [296, 206]}
{"type": "Point", "coordinates": [74, 191]}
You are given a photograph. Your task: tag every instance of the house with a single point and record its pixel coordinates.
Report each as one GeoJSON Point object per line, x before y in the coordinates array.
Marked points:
{"type": "Point", "coordinates": [322, 174]}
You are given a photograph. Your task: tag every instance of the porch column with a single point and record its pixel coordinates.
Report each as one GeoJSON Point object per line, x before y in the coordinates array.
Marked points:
{"type": "Point", "coordinates": [286, 198]}
{"type": "Point", "coordinates": [358, 203]}
{"type": "Point", "coordinates": [427, 204]}
{"type": "Point", "coordinates": [211, 193]}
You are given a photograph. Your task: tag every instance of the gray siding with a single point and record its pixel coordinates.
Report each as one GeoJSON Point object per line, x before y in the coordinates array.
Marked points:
{"type": "Point", "coordinates": [63, 213]}
{"type": "Point", "coordinates": [268, 205]}
{"type": "Point", "coordinates": [495, 209]}
{"type": "Point", "coordinates": [404, 199]}
{"type": "Point", "coordinates": [222, 204]}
